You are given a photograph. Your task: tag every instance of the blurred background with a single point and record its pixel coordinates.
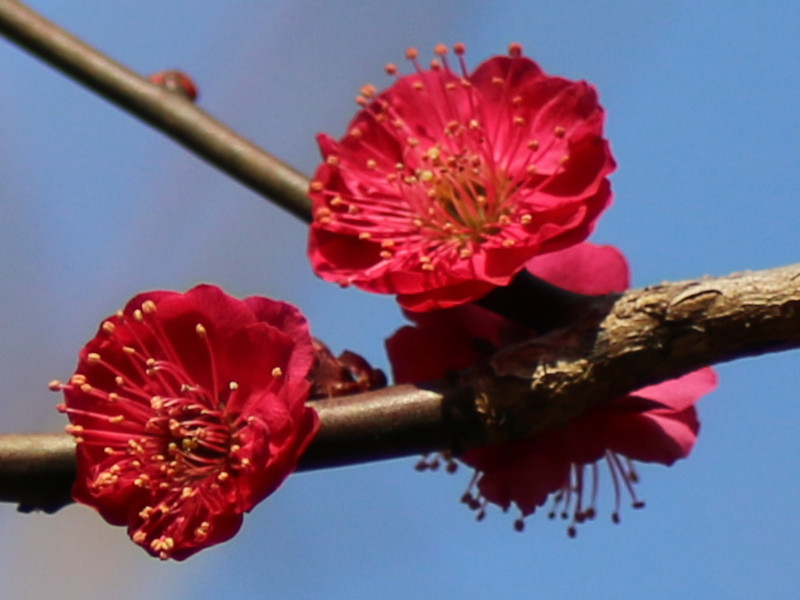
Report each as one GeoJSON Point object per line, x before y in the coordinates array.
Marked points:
{"type": "Point", "coordinates": [702, 104]}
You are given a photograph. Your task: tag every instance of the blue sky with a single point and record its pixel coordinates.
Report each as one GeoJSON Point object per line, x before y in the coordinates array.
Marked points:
{"type": "Point", "coordinates": [701, 100]}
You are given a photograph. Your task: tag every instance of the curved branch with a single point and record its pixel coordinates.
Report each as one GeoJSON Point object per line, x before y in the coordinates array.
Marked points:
{"type": "Point", "coordinates": [168, 112]}
{"type": "Point", "coordinates": [621, 343]}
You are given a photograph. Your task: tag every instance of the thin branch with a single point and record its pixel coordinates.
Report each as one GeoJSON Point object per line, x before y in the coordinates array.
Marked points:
{"type": "Point", "coordinates": [623, 342]}
{"type": "Point", "coordinates": [37, 471]}
{"type": "Point", "coordinates": [168, 112]}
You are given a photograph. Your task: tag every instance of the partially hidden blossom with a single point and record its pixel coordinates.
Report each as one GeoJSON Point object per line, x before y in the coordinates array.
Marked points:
{"type": "Point", "coordinates": [447, 182]}
{"type": "Point", "coordinates": [656, 424]}
{"type": "Point", "coordinates": [189, 409]}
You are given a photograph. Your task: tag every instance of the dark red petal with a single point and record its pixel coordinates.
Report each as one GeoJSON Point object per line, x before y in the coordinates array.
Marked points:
{"type": "Point", "coordinates": [584, 268]}
{"type": "Point", "coordinates": [515, 73]}
{"type": "Point", "coordinates": [683, 392]}
{"type": "Point", "coordinates": [518, 473]}
{"type": "Point", "coordinates": [419, 354]}
{"type": "Point", "coordinates": [654, 436]}
{"type": "Point", "coordinates": [339, 258]}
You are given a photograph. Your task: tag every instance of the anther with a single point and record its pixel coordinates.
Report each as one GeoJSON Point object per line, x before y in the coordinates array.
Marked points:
{"type": "Point", "coordinates": [148, 307]}
{"type": "Point", "coordinates": [515, 49]}
{"type": "Point", "coordinates": [200, 330]}
{"type": "Point", "coordinates": [572, 531]}
{"type": "Point", "coordinates": [202, 531]}
{"type": "Point", "coordinates": [140, 536]}
{"type": "Point", "coordinates": [277, 372]}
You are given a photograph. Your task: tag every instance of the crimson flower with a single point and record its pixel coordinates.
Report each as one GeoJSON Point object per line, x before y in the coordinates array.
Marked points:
{"type": "Point", "coordinates": [448, 182]}
{"type": "Point", "coordinates": [188, 410]}
{"type": "Point", "coordinates": [654, 424]}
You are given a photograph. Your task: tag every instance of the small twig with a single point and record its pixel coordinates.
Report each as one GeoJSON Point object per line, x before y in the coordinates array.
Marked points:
{"type": "Point", "coordinates": [168, 112]}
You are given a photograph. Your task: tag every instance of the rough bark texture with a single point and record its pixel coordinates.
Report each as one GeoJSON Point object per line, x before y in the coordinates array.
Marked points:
{"type": "Point", "coordinates": [621, 343]}
{"type": "Point", "coordinates": [643, 337]}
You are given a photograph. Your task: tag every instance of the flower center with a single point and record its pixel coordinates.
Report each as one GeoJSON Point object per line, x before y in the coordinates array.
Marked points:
{"type": "Point", "coordinates": [448, 161]}
{"type": "Point", "coordinates": [163, 429]}
{"type": "Point", "coordinates": [458, 197]}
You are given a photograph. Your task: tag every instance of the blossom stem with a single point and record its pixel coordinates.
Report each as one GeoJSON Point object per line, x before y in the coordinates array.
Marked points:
{"type": "Point", "coordinates": [166, 111]}
{"type": "Point", "coordinates": [534, 303]}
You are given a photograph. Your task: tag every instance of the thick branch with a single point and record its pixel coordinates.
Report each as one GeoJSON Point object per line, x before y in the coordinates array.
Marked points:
{"type": "Point", "coordinates": [622, 342]}
{"type": "Point", "coordinates": [168, 112]}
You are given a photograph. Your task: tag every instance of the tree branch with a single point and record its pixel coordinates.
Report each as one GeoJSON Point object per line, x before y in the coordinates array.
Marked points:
{"type": "Point", "coordinates": [621, 343]}
{"type": "Point", "coordinates": [168, 112]}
